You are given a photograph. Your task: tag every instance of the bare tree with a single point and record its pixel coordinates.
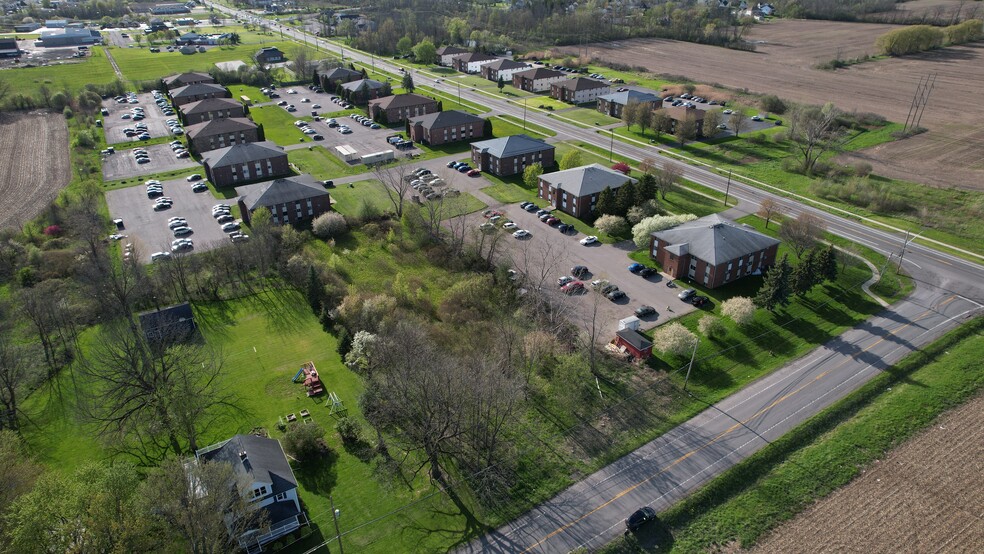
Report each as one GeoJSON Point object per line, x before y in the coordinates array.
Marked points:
{"type": "Point", "coordinates": [814, 131]}
{"type": "Point", "coordinates": [301, 64]}
{"type": "Point", "coordinates": [769, 209]}
{"type": "Point", "coordinates": [712, 118]}
{"type": "Point", "coordinates": [667, 178]}
{"type": "Point", "coordinates": [538, 260]}
{"type": "Point", "coordinates": [649, 165]}
{"type": "Point", "coordinates": [396, 184]}
{"type": "Point", "coordinates": [13, 372]}
{"type": "Point", "coordinates": [802, 233]}
{"type": "Point", "coordinates": [660, 122]}
{"type": "Point", "coordinates": [738, 120]}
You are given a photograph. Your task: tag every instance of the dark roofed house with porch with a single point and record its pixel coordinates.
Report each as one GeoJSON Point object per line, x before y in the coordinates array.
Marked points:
{"type": "Point", "coordinates": [270, 54]}
{"type": "Point", "coordinates": [634, 343]}
{"type": "Point", "coordinates": [289, 199]}
{"type": "Point", "coordinates": [612, 104]}
{"type": "Point", "coordinates": [363, 90]}
{"type": "Point", "coordinates": [443, 127]}
{"type": "Point", "coordinates": [575, 191]}
{"type": "Point", "coordinates": [712, 251]}
{"type": "Point", "coordinates": [401, 107]}
{"type": "Point", "coordinates": [510, 155]}
{"type": "Point", "coordinates": [167, 326]}
{"type": "Point", "coordinates": [244, 163]}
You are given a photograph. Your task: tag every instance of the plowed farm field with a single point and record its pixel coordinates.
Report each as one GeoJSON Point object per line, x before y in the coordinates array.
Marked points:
{"type": "Point", "coordinates": [924, 496]}
{"type": "Point", "coordinates": [783, 64]}
{"type": "Point", "coordinates": [34, 149]}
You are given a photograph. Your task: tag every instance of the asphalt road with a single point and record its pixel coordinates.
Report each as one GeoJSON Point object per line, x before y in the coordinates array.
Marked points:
{"type": "Point", "coordinates": [591, 512]}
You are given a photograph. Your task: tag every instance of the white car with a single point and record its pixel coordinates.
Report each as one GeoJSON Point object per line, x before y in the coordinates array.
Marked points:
{"type": "Point", "coordinates": [521, 234]}
{"type": "Point", "coordinates": [728, 112]}
{"type": "Point", "coordinates": [230, 227]}
{"type": "Point", "coordinates": [590, 239]}
{"type": "Point", "coordinates": [509, 225]}
{"type": "Point", "coordinates": [160, 256]}
{"type": "Point", "coordinates": [194, 177]}
{"type": "Point", "coordinates": [178, 223]}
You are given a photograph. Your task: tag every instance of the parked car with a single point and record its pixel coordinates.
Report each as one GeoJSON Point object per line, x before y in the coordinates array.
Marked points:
{"type": "Point", "coordinates": [698, 301]}
{"type": "Point", "coordinates": [644, 311]}
{"type": "Point", "coordinates": [590, 239]}
{"type": "Point", "coordinates": [639, 518]}
{"type": "Point", "coordinates": [158, 256]}
{"type": "Point", "coordinates": [194, 177]}
{"type": "Point", "coordinates": [564, 280]}
{"type": "Point", "coordinates": [615, 295]}
{"type": "Point", "coordinates": [686, 294]}
{"type": "Point", "coordinates": [229, 227]}
{"type": "Point", "coordinates": [182, 231]}
{"type": "Point", "coordinates": [647, 272]}
{"type": "Point", "coordinates": [572, 287]}
{"type": "Point", "coordinates": [521, 234]}
{"type": "Point", "coordinates": [579, 271]}
{"type": "Point", "coordinates": [636, 267]}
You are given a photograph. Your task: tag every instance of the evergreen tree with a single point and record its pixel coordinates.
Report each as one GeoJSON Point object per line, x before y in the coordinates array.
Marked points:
{"type": "Point", "coordinates": [775, 289]}
{"type": "Point", "coordinates": [624, 198]}
{"type": "Point", "coordinates": [645, 189]}
{"type": "Point", "coordinates": [408, 82]}
{"type": "Point", "coordinates": [606, 203]}
{"type": "Point", "coordinates": [804, 276]}
{"type": "Point", "coordinates": [386, 90]}
{"type": "Point", "coordinates": [827, 264]}
{"type": "Point", "coordinates": [500, 83]}
{"type": "Point", "coordinates": [315, 290]}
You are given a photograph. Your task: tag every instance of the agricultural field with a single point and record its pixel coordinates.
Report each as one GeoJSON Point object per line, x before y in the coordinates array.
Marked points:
{"type": "Point", "coordinates": [906, 508]}
{"type": "Point", "coordinates": [36, 167]}
{"type": "Point", "coordinates": [783, 64]}
{"type": "Point", "coordinates": [72, 76]}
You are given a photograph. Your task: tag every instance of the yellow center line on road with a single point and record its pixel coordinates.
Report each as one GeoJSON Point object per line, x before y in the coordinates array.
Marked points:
{"type": "Point", "coordinates": [674, 463]}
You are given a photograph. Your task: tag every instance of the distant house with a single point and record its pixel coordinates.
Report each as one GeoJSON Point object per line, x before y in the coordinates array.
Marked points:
{"type": "Point", "coordinates": [686, 113]}
{"type": "Point", "coordinates": [579, 90]}
{"type": "Point", "coordinates": [184, 79]}
{"type": "Point", "coordinates": [538, 79]}
{"type": "Point", "coordinates": [168, 9]}
{"type": "Point", "coordinates": [165, 327]}
{"type": "Point", "coordinates": [634, 343]}
{"type": "Point", "coordinates": [9, 48]}
{"type": "Point", "coordinates": [712, 250]}
{"type": "Point", "coordinates": [612, 104]}
{"type": "Point", "coordinates": [472, 61]}
{"type": "Point", "coordinates": [188, 38]}
{"type": "Point", "coordinates": [220, 133]}
{"type": "Point", "coordinates": [199, 91]}
{"type": "Point", "coordinates": [504, 68]}
{"type": "Point", "coordinates": [331, 78]}
{"type": "Point", "coordinates": [245, 163]}
{"type": "Point", "coordinates": [445, 54]}
{"type": "Point", "coordinates": [68, 38]}
{"type": "Point", "coordinates": [56, 23]}
{"type": "Point", "coordinates": [362, 91]}
{"type": "Point", "coordinates": [289, 199]}
{"type": "Point", "coordinates": [212, 108]}
{"type": "Point", "coordinates": [444, 127]}
{"type": "Point", "coordinates": [262, 462]}
{"type": "Point", "coordinates": [400, 107]}
{"type": "Point", "coordinates": [270, 54]}
{"type": "Point", "coordinates": [510, 155]}
{"type": "Point", "coordinates": [26, 27]}
{"type": "Point", "coordinates": [575, 191]}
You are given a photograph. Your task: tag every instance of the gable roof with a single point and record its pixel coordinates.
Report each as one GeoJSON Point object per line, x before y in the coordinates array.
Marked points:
{"type": "Point", "coordinates": [183, 78]}
{"type": "Point", "coordinates": [218, 127]}
{"type": "Point", "coordinates": [450, 50]}
{"type": "Point", "coordinates": [475, 57]}
{"type": "Point", "coordinates": [401, 101]}
{"type": "Point", "coordinates": [260, 458]}
{"type": "Point", "coordinates": [356, 85]}
{"type": "Point", "coordinates": [280, 191]}
{"type": "Point", "coordinates": [587, 179]}
{"type": "Point", "coordinates": [210, 105]}
{"type": "Point", "coordinates": [198, 89]}
{"type": "Point", "coordinates": [635, 338]}
{"type": "Point", "coordinates": [340, 73]}
{"type": "Point", "coordinates": [715, 239]}
{"type": "Point", "coordinates": [581, 83]}
{"type": "Point", "coordinates": [628, 96]}
{"type": "Point", "coordinates": [514, 145]}
{"type": "Point", "coordinates": [449, 118]}
{"type": "Point", "coordinates": [540, 73]}
{"type": "Point", "coordinates": [169, 325]}
{"type": "Point", "coordinates": [684, 113]}
{"type": "Point", "coordinates": [505, 63]}
{"type": "Point", "coordinates": [242, 154]}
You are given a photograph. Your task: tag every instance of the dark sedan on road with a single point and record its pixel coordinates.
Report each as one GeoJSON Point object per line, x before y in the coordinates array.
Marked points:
{"type": "Point", "coordinates": [641, 517]}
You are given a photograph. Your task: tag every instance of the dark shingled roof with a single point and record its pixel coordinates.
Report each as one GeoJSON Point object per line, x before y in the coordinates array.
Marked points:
{"type": "Point", "coordinates": [402, 101]}
{"type": "Point", "coordinates": [540, 73]}
{"type": "Point", "coordinates": [587, 179]}
{"type": "Point", "coordinates": [505, 63]}
{"type": "Point", "coordinates": [219, 126]}
{"type": "Point", "coordinates": [581, 83]}
{"type": "Point", "coordinates": [356, 85]}
{"type": "Point", "coordinates": [281, 191]}
{"type": "Point", "coordinates": [340, 73]}
{"type": "Point", "coordinates": [449, 118]}
{"type": "Point", "coordinates": [183, 78]}
{"type": "Point", "coordinates": [715, 239]}
{"type": "Point", "coordinates": [198, 89]}
{"type": "Point", "coordinates": [514, 145]}
{"type": "Point", "coordinates": [448, 50]}
{"type": "Point", "coordinates": [260, 458]}
{"type": "Point", "coordinates": [625, 97]}
{"type": "Point", "coordinates": [636, 339]}
{"type": "Point", "coordinates": [475, 57]}
{"type": "Point", "coordinates": [243, 153]}
{"type": "Point", "coordinates": [211, 105]}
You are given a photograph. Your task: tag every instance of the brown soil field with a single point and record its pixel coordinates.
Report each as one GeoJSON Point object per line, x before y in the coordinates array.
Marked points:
{"type": "Point", "coordinates": [34, 148]}
{"type": "Point", "coordinates": [788, 50]}
{"type": "Point", "coordinates": [924, 496]}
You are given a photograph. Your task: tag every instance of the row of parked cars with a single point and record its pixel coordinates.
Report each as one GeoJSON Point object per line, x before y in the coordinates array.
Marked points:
{"type": "Point", "coordinates": [546, 216]}
{"type": "Point", "coordinates": [180, 151]}
{"type": "Point", "coordinates": [366, 121]}
{"type": "Point", "coordinates": [341, 102]}
{"type": "Point", "coordinates": [162, 103]}
{"type": "Point", "coordinates": [306, 128]}
{"type": "Point", "coordinates": [463, 167]}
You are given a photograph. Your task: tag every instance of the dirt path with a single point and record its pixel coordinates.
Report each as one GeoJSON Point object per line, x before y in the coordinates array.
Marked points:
{"type": "Point", "coordinates": [925, 496]}
{"type": "Point", "coordinates": [112, 62]}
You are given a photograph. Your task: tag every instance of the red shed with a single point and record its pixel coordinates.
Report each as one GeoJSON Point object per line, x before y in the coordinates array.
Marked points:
{"type": "Point", "coordinates": [635, 343]}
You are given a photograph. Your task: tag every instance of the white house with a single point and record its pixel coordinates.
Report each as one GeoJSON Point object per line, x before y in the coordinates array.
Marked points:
{"type": "Point", "coordinates": [274, 486]}
{"type": "Point", "coordinates": [446, 53]}
{"type": "Point", "coordinates": [537, 79]}
{"type": "Point", "coordinates": [472, 61]}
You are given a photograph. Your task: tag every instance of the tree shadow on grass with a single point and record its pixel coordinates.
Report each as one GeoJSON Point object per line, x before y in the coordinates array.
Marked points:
{"type": "Point", "coordinates": [283, 308]}
{"type": "Point", "coordinates": [318, 475]}
{"type": "Point", "coordinates": [214, 318]}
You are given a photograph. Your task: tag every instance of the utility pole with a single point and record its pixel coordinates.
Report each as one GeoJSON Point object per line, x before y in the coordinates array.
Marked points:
{"type": "Point", "coordinates": [691, 364]}
{"type": "Point", "coordinates": [459, 93]}
{"type": "Point", "coordinates": [902, 253]}
{"type": "Point", "coordinates": [728, 189]}
{"type": "Point", "coordinates": [611, 145]}
{"type": "Point", "coordinates": [338, 534]}
{"type": "Point", "coordinates": [524, 113]}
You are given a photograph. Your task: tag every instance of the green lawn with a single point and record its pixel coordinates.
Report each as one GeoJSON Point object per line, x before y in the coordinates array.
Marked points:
{"type": "Point", "coordinates": [141, 64]}
{"type": "Point", "coordinates": [504, 128]}
{"type": "Point", "coordinates": [253, 93]}
{"type": "Point", "coordinates": [278, 124]}
{"type": "Point", "coordinates": [542, 101]}
{"type": "Point", "coordinates": [484, 85]}
{"type": "Point", "coordinates": [321, 163]}
{"type": "Point", "coordinates": [95, 69]}
{"type": "Point", "coordinates": [349, 198]}
{"type": "Point", "coordinates": [587, 117]}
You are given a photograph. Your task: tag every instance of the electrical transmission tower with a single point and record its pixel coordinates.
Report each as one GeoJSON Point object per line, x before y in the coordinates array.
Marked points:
{"type": "Point", "coordinates": [919, 100]}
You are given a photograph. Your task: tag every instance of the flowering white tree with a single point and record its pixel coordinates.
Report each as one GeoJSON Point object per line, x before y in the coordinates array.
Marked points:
{"type": "Point", "coordinates": [642, 230]}
{"type": "Point", "coordinates": [329, 225]}
{"type": "Point", "coordinates": [710, 326]}
{"type": "Point", "coordinates": [362, 345]}
{"type": "Point", "coordinates": [674, 338]}
{"type": "Point", "coordinates": [611, 224]}
{"type": "Point", "coordinates": [740, 309]}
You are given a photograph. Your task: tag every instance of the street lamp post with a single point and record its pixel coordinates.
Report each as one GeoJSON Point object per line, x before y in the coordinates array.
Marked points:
{"type": "Point", "coordinates": [728, 189]}
{"type": "Point", "coordinates": [611, 145]}
{"type": "Point", "coordinates": [459, 93]}
{"type": "Point", "coordinates": [524, 113]}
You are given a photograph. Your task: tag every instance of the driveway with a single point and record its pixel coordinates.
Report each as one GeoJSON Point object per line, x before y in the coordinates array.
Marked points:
{"type": "Point", "coordinates": [123, 164]}
{"type": "Point", "coordinates": [147, 230]}
{"type": "Point", "coordinates": [114, 124]}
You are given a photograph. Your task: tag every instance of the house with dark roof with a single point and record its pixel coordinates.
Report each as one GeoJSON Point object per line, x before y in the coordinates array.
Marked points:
{"type": "Point", "coordinates": [211, 108]}
{"type": "Point", "coordinates": [222, 132]}
{"type": "Point", "coordinates": [575, 191]}
{"type": "Point", "coordinates": [504, 68]}
{"type": "Point", "coordinates": [612, 104]}
{"type": "Point", "coordinates": [712, 251]}
{"type": "Point", "coordinates": [244, 163]}
{"type": "Point", "coordinates": [444, 127]}
{"type": "Point", "coordinates": [686, 113]}
{"type": "Point", "coordinates": [289, 199]}
{"type": "Point", "coordinates": [363, 90]}
{"type": "Point", "coordinates": [68, 37]}
{"type": "Point", "coordinates": [269, 54]}
{"type": "Point", "coordinates": [471, 62]}
{"type": "Point", "coordinates": [167, 326]}
{"type": "Point", "coordinates": [262, 463]}
{"type": "Point", "coordinates": [579, 90]}
{"type": "Point", "coordinates": [446, 54]}
{"type": "Point", "coordinates": [198, 91]}
{"type": "Point", "coordinates": [634, 343]}
{"type": "Point", "coordinates": [538, 79]}
{"type": "Point", "coordinates": [331, 78]}
{"type": "Point", "coordinates": [401, 107]}
{"type": "Point", "coordinates": [9, 48]}
{"type": "Point", "coordinates": [510, 155]}
{"type": "Point", "coordinates": [184, 79]}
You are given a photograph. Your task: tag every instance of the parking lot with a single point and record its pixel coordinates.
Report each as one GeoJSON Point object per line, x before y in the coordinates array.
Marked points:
{"type": "Point", "coordinates": [363, 139]}
{"type": "Point", "coordinates": [123, 164]}
{"type": "Point", "coordinates": [147, 229]}
{"type": "Point", "coordinates": [114, 124]}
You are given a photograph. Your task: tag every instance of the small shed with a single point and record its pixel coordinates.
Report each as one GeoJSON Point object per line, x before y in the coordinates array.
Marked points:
{"type": "Point", "coordinates": [631, 322]}
{"type": "Point", "coordinates": [167, 326]}
{"type": "Point", "coordinates": [635, 343]}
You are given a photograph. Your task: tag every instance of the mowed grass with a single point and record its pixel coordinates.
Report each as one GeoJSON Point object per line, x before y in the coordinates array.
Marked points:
{"type": "Point", "coordinates": [322, 164]}
{"type": "Point", "coordinates": [543, 102]}
{"type": "Point", "coordinates": [95, 69]}
{"type": "Point", "coordinates": [531, 128]}
{"type": "Point", "coordinates": [587, 117]}
{"type": "Point", "coordinates": [278, 124]}
{"type": "Point", "coordinates": [141, 64]}
{"type": "Point", "coordinates": [827, 451]}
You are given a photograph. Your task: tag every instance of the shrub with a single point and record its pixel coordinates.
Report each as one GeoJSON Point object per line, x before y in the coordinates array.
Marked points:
{"type": "Point", "coordinates": [674, 338]}
{"type": "Point", "coordinates": [909, 40]}
{"type": "Point", "coordinates": [612, 225]}
{"type": "Point", "coordinates": [329, 225]}
{"type": "Point", "coordinates": [622, 166]}
{"type": "Point", "coordinates": [739, 309]}
{"type": "Point", "coordinates": [305, 441]}
{"type": "Point", "coordinates": [757, 138]}
{"type": "Point", "coordinates": [710, 326]}
{"type": "Point", "coordinates": [642, 230]}
{"type": "Point", "coordinates": [349, 429]}
{"type": "Point", "coordinates": [862, 169]}
{"type": "Point", "coordinates": [68, 113]}
{"type": "Point", "coordinates": [53, 230]}
{"type": "Point", "coordinates": [772, 103]}
{"type": "Point", "coordinates": [961, 33]}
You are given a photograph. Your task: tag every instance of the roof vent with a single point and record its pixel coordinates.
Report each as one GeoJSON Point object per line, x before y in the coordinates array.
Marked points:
{"type": "Point", "coordinates": [242, 455]}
